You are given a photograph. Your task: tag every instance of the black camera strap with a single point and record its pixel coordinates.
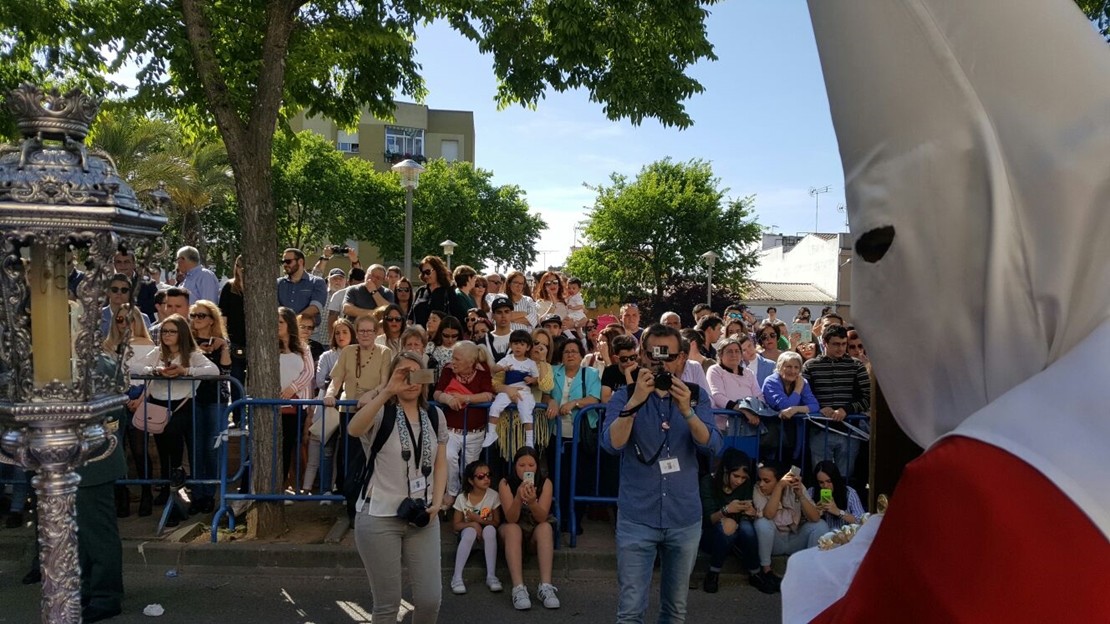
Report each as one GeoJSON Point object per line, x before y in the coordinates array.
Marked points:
{"type": "Point", "coordinates": [665, 444]}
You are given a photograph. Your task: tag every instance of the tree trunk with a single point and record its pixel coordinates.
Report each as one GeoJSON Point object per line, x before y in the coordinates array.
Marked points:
{"type": "Point", "coordinates": [260, 257]}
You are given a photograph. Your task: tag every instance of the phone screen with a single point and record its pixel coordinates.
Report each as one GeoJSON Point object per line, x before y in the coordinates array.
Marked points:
{"type": "Point", "coordinates": [826, 495]}
{"type": "Point", "coordinates": [530, 477]}
{"type": "Point", "coordinates": [422, 376]}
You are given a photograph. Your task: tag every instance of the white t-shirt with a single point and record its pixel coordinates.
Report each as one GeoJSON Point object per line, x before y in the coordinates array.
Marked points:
{"type": "Point", "coordinates": [526, 366]}
{"type": "Point", "coordinates": [490, 501]}
{"type": "Point", "coordinates": [500, 344]}
{"type": "Point", "coordinates": [576, 301]}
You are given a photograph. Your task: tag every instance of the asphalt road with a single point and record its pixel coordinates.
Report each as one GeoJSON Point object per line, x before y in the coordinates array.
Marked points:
{"type": "Point", "coordinates": [273, 598]}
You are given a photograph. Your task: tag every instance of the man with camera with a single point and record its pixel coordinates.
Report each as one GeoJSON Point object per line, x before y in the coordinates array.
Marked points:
{"type": "Point", "coordinates": [372, 294]}
{"type": "Point", "coordinates": [329, 253]}
{"type": "Point", "coordinates": [657, 425]}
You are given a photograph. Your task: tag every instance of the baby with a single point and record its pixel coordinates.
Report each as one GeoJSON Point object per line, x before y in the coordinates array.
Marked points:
{"type": "Point", "coordinates": [520, 372]}
{"type": "Point", "coordinates": [575, 305]}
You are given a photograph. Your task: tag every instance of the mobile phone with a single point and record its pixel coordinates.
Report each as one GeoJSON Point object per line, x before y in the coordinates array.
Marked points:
{"type": "Point", "coordinates": [826, 496]}
{"type": "Point", "coordinates": [795, 471]}
{"type": "Point", "coordinates": [422, 376]}
{"type": "Point", "coordinates": [530, 477]}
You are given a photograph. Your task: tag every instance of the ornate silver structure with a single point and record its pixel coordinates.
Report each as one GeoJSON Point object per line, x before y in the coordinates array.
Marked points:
{"type": "Point", "coordinates": [59, 203]}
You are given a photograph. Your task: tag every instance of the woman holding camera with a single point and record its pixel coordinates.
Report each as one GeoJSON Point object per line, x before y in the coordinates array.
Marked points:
{"type": "Point", "coordinates": [526, 497]}
{"type": "Point", "coordinates": [838, 502]}
{"type": "Point", "coordinates": [400, 522]}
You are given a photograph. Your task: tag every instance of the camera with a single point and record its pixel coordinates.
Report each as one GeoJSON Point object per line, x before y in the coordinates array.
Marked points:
{"type": "Point", "coordinates": [414, 511]}
{"type": "Point", "coordinates": [340, 249]}
{"type": "Point", "coordinates": [663, 379]}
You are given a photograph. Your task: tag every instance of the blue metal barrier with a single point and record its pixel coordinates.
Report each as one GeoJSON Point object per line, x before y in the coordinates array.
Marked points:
{"type": "Point", "coordinates": [197, 449]}
{"type": "Point", "coordinates": [249, 407]}
{"type": "Point", "coordinates": [574, 496]}
{"type": "Point", "coordinates": [850, 418]}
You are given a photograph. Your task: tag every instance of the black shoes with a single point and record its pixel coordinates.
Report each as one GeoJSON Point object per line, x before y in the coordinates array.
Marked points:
{"type": "Point", "coordinates": [765, 582]}
{"type": "Point", "coordinates": [123, 501]}
{"type": "Point", "coordinates": [712, 582]}
{"type": "Point", "coordinates": [146, 502]}
{"type": "Point", "coordinates": [96, 614]}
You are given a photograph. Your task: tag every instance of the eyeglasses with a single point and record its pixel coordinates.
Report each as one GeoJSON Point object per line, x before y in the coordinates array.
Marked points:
{"type": "Point", "coordinates": [307, 327]}
{"type": "Point", "coordinates": [481, 475]}
{"type": "Point", "coordinates": [288, 260]}
{"type": "Point", "coordinates": [169, 332]}
{"type": "Point", "coordinates": [730, 352]}
{"type": "Point", "coordinates": [625, 359]}
{"type": "Point", "coordinates": [425, 272]}
{"type": "Point", "coordinates": [449, 336]}
{"type": "Point", "coordinates": [393, 319]}
{"type": "Point", "coordinates": [403, 290]}
{"type": "Point", "coordinates": [120, 290]}
{"type": "Point", "coordinates": [567, 352]}
{"type": "Point", "coordinates": [517, 283]}
{"type": "Point", "coordinates": [367, 331]}
{"type": "Point", "coordinates": [200, 315]}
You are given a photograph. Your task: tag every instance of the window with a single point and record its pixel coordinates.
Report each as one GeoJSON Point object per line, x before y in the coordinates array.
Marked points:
{"type": "Point", "coordinates": [449, 150]}
{"type": "Point", "coordinates": [347, 142]}
{"type": "Point", "coordinates": [403, 141]}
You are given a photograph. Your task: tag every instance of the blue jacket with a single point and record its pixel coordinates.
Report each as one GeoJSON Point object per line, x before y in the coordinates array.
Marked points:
{"type": "Point", "coordinates": [592, 388]}
{"type": "Point", "coordinates": [764, 368]}
{"type": "Point", "coordinates": [776, 398]}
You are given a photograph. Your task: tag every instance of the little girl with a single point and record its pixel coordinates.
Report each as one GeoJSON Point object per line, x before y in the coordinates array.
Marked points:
{"type": "Point", "coordinates": [477, 516]}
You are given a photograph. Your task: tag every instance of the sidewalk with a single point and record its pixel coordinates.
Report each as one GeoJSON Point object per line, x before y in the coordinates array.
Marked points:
{"type": "Point", "coordinates": [318, 540]}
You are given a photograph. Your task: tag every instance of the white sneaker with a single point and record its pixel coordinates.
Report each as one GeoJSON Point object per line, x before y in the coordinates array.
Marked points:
{"type": "Point", "coordinates": [521, 601]}
{"type": "Point", "coordinates": [491, 437]}
{"type": "Point", "coordinates": [546, 592]}
{"type": "Point", "coordinates": [493, 584]}
{"type": "Point", "coordinates": [458, 587]}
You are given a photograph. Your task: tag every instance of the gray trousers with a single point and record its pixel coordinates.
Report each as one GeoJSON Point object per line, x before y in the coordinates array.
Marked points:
{"type": "Point", "coordinates": [382, 543]}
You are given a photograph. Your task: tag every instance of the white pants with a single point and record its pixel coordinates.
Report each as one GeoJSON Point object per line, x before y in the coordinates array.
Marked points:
{"type": "Point", "coordinates": [457, 460]}
{"type": "Point", "coordinates": [526, 405]}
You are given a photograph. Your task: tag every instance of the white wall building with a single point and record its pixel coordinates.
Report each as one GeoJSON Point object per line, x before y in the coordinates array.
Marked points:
{"type": "Point", "coordinates": [819, 261]}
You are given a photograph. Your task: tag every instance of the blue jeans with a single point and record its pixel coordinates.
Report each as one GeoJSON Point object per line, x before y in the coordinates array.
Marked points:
{"type": "Point", "coordinates": [206, 455]}
{"type": "Point", "coordinates": [833, 446]}
{"type": "Point", "coordinates": [637, 547]}
{"type": "Point", "coordinates": [718, 544]}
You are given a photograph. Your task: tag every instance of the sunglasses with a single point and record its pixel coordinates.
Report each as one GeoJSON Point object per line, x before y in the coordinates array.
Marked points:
{"type": "Point", "coordinates": [766, 336]}
{"type": "Point", "coordinates": [481, 475]}
{"type": "Point", "coordinates": [493, 283]}
{"type": "Point", "coordinates": [200, 315]}
{"type": "Point", "coordinates": [670, 358]}
{"type": "Point", "coordinates": [393, 319]}
{"type": "Point", "coordinates": [288, 260]}
{"type": "Point", "coordinates": [625, 359]}
{"type": "Point", "coordinates": [121, 319]}
{"type": "Point", "coordinates": [551, 283]}
{"type": "Point", "coordinates": [403, 290]}
{"type": "Point", "coordinates": [120, 290]}
{"type": "Point", "coordinates": [426, 272]}
{"type": "Point", "coordinates": [449, 336]}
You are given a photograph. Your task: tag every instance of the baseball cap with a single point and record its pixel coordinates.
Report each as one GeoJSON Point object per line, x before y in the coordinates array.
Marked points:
{"type": "Point", "coordinates": [336, 272]}
{"type": "Point", "coordinates": [551, 318]}
{"type": "Point", "coordinates": [500, 302]}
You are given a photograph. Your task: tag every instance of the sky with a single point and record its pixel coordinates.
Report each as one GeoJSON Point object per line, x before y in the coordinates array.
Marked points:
{"type": "Point", "coordinates": [763, 122]}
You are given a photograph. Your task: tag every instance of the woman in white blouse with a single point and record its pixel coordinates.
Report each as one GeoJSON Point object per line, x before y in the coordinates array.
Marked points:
{"type": "Point", "coordinates": [177, 356]}
{"type": "Point", "coordinates": [524, 315]}
{"type": "Point", "coordinates": [297, 376]}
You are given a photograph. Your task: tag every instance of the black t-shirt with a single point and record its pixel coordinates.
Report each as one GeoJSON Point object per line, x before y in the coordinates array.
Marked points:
{"type": "Point", "coordinates": [613, 378]}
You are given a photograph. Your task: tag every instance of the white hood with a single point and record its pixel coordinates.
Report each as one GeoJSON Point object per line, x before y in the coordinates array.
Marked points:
{"type": "Point", "coordinates": [981, 132]}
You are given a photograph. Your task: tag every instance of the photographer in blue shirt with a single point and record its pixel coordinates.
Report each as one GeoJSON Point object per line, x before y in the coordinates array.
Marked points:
{"type": "Point", "coordinates": [656, 426]}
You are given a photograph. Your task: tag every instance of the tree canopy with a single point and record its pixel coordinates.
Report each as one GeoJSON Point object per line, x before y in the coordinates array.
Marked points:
{"type": "Point", "coordinates": [640, 232]}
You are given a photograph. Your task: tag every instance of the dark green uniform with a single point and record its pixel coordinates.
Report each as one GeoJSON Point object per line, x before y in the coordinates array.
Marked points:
{"type": "Point", "coordinates": [98, 543]}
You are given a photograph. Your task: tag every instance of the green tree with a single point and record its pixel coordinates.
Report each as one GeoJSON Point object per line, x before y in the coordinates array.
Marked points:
{"type": "Point", "coordinates": [240, 62]}
{"type": "Point", "coordinates": [640, 232]}
{"type": "Point", "coordinates": [459, 201]}
{"type": "Point", "coordinates": [314, 188]}
{"type": "Point", "coordinates": [1098, 11]}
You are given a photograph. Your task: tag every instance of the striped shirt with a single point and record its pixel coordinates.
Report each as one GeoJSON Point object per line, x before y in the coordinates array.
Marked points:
{"type": "Point", "coordinates": [528, 306]}
{"type": "Point", "coordinates": [854, 507]}
{"type": "Point", "coordinates": [840, 384]}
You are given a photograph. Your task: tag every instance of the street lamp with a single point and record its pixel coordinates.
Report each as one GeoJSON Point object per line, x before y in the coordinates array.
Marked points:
{"type": "Point", "coordinates": [710, 259]}
{"type": "Point", "coordinates": [410, 171]}
{"type": "Point", "coordinates": [448, 250]}
{"type": "Point", "coordinates": [57, 384]}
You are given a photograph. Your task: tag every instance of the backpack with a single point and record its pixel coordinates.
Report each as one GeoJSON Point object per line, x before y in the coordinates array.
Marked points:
{"type": "Point", "coordinates": [359, 474]}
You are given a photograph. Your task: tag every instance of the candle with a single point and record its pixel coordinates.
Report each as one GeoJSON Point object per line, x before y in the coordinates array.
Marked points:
{"type": "Point", "coordinates": [50, 341]}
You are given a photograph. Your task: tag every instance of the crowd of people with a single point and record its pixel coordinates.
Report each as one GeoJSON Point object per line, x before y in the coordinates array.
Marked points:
{"type": "Point", "coordinates": [457, 365]}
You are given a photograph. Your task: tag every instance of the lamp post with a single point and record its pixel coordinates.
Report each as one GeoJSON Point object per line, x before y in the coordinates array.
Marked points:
{"type": "Point", "coordinates": [710, 259]}
{"type": "Point", "coordinates": [448, 250]}
{"type": "Point", "coordinates": [410, 171]}
{"type": "Point", "coordinates": [57, 383]}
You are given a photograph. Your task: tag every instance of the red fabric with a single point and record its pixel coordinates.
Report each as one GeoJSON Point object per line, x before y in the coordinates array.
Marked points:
{"type": "Point", "coordinates": [974, 534]}
{"type": "Point", "coordinates": [477, 417]}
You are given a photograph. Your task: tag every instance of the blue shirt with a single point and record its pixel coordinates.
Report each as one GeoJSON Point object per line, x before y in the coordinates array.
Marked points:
{"type": "Point", "coordinates": [647, 496]}
{"type": "Point", "coordinates": [106, 316]}
{"type": "Point", "coordinates": [297, 296]}
{"type": "Point", "coordinates": [201, 284]}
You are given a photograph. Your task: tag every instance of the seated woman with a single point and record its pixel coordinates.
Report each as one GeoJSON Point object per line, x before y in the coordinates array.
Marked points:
{"type": "Point", "coordinates": [726, 502]}
{"type": "Point", "coordinates": [526, 497]}
{"type": "Point", "coordinates": [729, 385]}
{"type": "Point", "coordinates": [787, 393]}
{"type": "Point", "coordinates": [464, 381]}
{"type": "Point", "coordinates": [575, 386]}
{"type": "Point", "coordinates": [790, 522]}
{"type": "Point", "coordinates": [840, 505]}
{"type": "Point", "coordinates": [477, 514]}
